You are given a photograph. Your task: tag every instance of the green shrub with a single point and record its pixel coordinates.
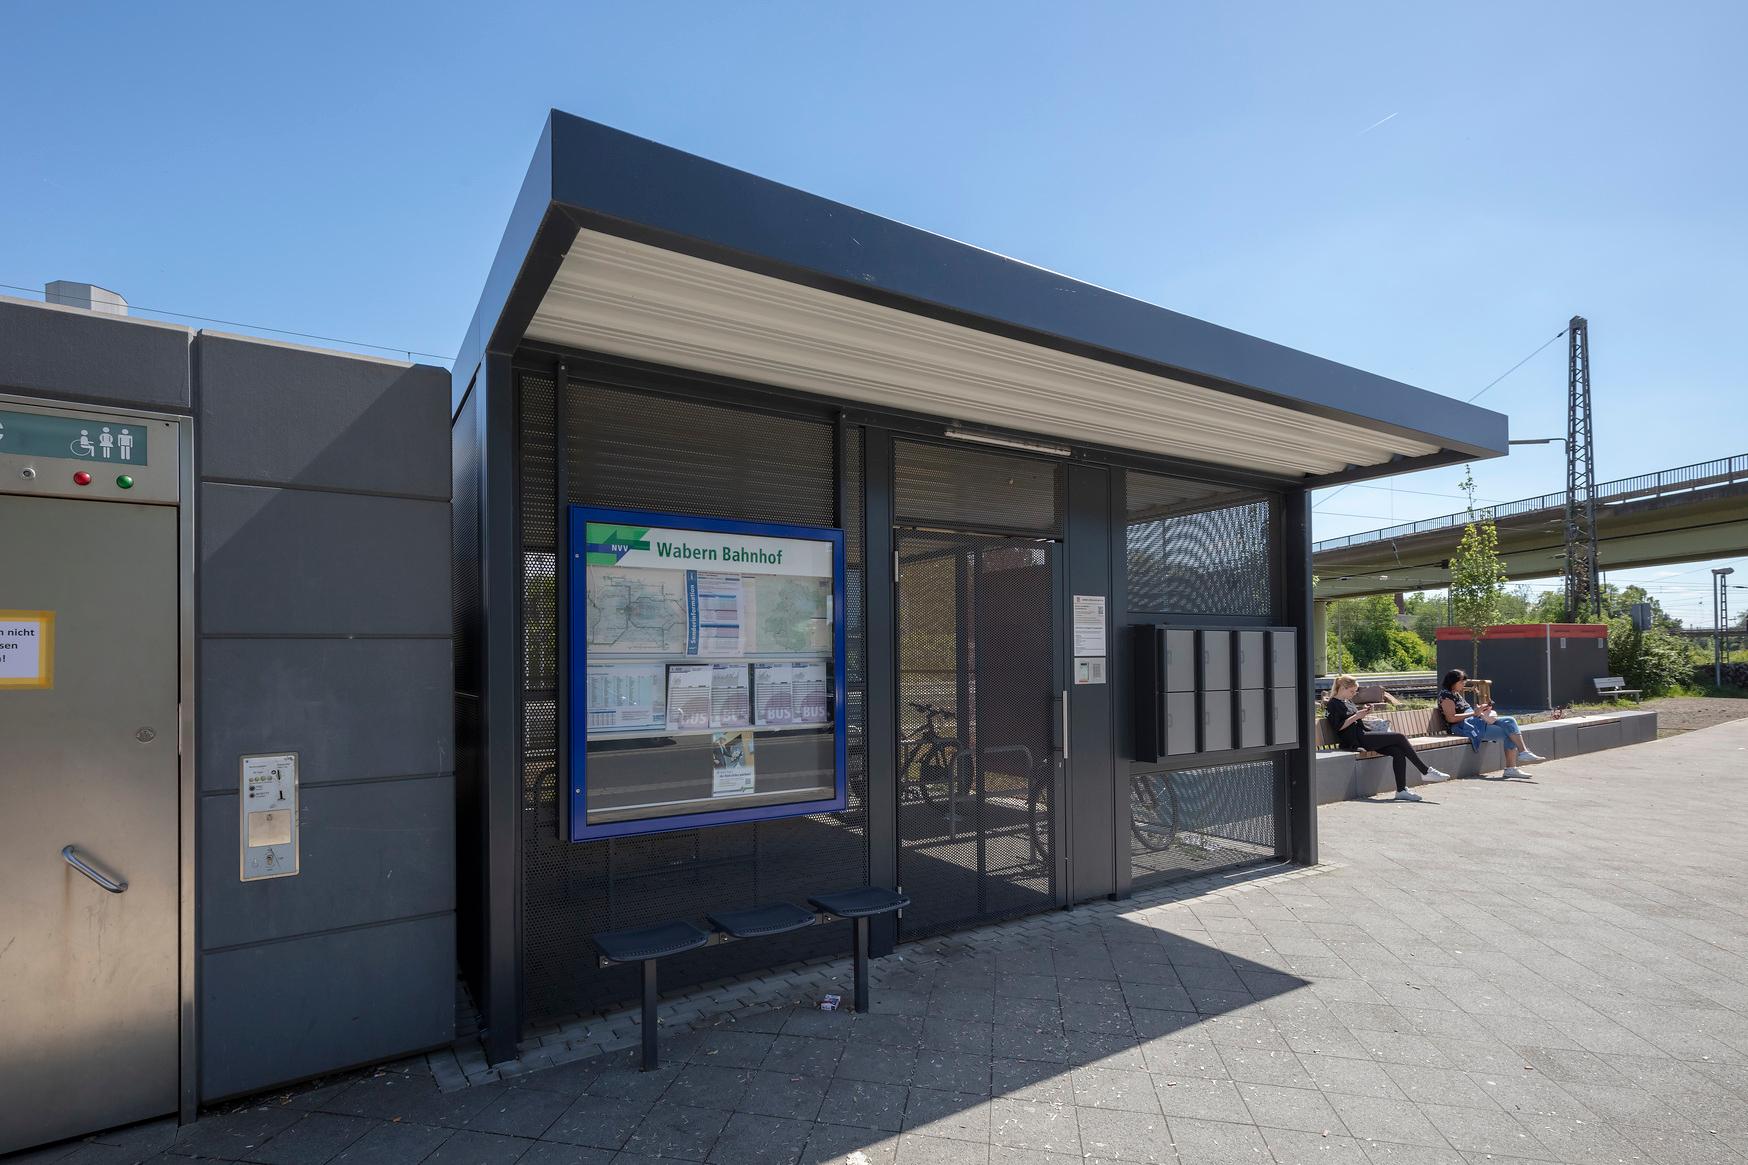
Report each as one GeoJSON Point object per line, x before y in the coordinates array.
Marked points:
{"type": "Point", "coordinates": [1408, 651]}
{"type": "Point", "coordinates": [1654, 661]}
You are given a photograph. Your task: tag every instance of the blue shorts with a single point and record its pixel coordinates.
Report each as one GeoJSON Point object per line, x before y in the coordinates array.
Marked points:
{"type": "Point", "coordinates": [1502, 729]}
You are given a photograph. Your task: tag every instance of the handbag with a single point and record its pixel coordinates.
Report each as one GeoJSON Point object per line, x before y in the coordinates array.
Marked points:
{"type": "Point", "coordinates": [1375, 724]}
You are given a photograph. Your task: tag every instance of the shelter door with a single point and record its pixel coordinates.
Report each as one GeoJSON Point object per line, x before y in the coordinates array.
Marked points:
{"type": "Point", "coordinates": [979, 766]}
{"type": "Point", "coordinates": [89, 778]}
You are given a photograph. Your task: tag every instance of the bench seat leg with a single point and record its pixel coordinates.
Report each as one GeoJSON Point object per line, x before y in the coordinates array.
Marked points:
{"type": "Point", "coordinates": [649, 1015]}
{"type": "Point", "coordinates": [862, 965]}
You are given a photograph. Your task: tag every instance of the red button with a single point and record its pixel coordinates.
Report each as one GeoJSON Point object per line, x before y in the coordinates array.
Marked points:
{"type": "Point", "coordinates": [81, 478]}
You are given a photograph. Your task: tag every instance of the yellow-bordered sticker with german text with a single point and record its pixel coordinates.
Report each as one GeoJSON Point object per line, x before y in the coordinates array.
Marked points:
{"type": "Point", "coordinates": [27, 649]}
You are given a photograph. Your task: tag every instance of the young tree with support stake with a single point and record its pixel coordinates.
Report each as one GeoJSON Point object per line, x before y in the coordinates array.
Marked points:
{"type": "Point", "coordinates": [1478, 579]}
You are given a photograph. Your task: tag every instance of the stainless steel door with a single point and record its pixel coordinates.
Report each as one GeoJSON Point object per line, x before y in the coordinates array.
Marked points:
{"type": "Point", "coordinates": [88, 976]}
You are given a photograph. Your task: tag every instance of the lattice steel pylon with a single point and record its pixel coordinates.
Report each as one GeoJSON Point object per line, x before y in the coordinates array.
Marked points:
{"type": "Point", "coordinates": [1583, 586]}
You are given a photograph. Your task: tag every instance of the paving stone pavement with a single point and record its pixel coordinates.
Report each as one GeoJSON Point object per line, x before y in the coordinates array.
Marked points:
{"type": "Point", "coordinates": [1551, 970]}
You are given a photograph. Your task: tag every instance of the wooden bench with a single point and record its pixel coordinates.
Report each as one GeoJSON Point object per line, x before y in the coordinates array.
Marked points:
{"type": "Point", "coordinates": [648, 945]}
{"type": "Point", "coordinates": [1615, 687]}
{"type": "Point", "coordinates": [1423, 727]}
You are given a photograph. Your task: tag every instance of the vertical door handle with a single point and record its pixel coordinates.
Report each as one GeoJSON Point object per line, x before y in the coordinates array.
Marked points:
{"type": "Point", "coordinates": [1065, 724]}
{"type": "Point", "coordinates": [84, 867]}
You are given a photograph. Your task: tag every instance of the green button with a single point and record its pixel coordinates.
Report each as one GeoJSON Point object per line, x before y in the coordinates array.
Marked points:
{"type": "Point", "coordinates": [125, 482]}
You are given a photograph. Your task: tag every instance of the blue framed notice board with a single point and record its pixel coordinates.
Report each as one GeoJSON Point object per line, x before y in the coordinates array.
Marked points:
{"type": "Point", "coordinates": [706, 672]}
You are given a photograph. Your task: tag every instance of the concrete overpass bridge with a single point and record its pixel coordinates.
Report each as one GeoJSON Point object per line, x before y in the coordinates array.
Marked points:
{"type": "Point", "coordinates": [1688, 514]}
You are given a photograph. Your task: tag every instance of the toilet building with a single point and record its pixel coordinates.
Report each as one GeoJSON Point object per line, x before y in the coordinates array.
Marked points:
{"type": "Point", "coordinates": [755, 547]}
{"type": "Point", "coordinates": [227, 814]}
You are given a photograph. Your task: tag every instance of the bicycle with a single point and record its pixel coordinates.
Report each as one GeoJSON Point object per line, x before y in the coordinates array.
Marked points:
{"type": "Point", "coordinates": [1154, 812]}
{"type": "Point", "coordinates": [929, 760]}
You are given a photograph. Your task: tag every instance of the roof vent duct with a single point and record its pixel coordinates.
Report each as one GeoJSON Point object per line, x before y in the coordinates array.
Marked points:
{"type": "Point", "coordinates": [86, 295]}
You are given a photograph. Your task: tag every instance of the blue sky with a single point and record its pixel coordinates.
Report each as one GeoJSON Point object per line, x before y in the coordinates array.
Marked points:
{"type": "Point", "coordinates": [1426, 193]}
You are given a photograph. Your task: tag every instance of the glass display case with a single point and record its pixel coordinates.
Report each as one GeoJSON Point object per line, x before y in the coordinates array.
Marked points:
{"type": "Point", "coordinates": [706, 672]}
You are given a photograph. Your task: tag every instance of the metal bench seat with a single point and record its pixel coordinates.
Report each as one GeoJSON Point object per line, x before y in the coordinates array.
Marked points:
{"type": "Point", "coordinates": [649, 944]}
{"type": "Point", "coordinates": [864, 902]}
{"type": "Point", "coordinates": [646, 944]}
{"type": "Point", "coordinates": [860, 905]}
{"type": "Point", "coordinates": [642, 943]}
{"type": "Point", "coordinates": [759, 921]}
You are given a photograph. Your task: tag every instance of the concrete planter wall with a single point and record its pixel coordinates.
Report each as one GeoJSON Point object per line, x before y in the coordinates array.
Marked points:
{"type": "Point", "coordinates": [1345, 776]}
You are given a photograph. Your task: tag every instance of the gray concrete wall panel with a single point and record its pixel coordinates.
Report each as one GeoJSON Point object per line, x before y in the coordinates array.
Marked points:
{"type": "Point", "coordinates": [278, 562]}
{"type": "Point", "coordinates": [370, 853]}
{"type": "Point", "coordinates": [288, 1010]}
{"type": "Point", "coordinates": [1594, 737]}
{"type": "Point", "coordinates": [351, 708]}
{"type": "Point", "coordinates": [277, 414]}
{"type": "Point", "coordinates": [75, 355]}
{"type": "Point", "coordinates": [325, 616]}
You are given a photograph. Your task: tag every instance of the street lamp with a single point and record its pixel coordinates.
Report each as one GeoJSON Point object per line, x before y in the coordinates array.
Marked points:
{"type": "Point", "coordinates": [1720, 611]}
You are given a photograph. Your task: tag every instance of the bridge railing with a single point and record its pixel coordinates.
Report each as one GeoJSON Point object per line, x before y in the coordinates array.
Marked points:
{"type": "Point", "coordinates": [1645, 485]}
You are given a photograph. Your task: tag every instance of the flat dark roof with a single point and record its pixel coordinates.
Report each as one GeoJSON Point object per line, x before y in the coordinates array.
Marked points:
{"type": "Point", "coordinates": [589, 176]}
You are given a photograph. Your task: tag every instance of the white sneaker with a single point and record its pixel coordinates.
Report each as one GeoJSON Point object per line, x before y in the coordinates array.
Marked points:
{"type": "Point", "coordinates": [1514, 772]}
{"type": "Point", "coordinates": [1407, 795]}
{"type": "Point", "coordinates": [1434, 776]}
{"type": "Point", "coordinates": [1527, 757]}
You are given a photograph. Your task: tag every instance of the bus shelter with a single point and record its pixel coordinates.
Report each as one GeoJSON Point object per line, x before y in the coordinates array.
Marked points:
{"type": "Point", "coordinates": [798, 549]}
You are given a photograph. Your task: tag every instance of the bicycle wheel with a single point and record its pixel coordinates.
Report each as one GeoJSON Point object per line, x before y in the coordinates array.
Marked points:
{"type": "Point", "coordinates": [934, 768]}
{"type": "Point", "coordinates": [1153, 818]}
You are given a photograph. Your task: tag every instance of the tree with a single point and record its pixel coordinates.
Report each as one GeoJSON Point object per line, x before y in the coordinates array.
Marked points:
{"type": "Point", "coordinates": [1363, 626]}
{"type": "Point", "coordinates": [1618, 602]}
{"type": "Point", "coordinates": [1428, 615]}
{"type": "Point", "coordinates": [1478, 579]}
{"type": "Point", "coordinates": [1549, 607]}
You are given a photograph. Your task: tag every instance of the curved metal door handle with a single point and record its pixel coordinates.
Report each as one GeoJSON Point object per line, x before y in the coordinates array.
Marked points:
{"type": "Point", "coordinates": [84, 867]}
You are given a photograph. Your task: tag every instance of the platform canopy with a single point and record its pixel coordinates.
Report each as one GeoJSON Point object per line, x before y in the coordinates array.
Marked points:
{"type": "Point", "coordinates": [625, 247]}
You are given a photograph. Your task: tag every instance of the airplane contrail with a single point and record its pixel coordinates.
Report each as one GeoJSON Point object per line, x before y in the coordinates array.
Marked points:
{"type": "Point", "coordinates": [1375, 124]}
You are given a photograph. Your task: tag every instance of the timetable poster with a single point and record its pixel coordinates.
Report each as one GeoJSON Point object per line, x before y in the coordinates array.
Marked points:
{"type": "Point", "coordinates": [627, 695]}
{"type": "Point", "coordinates": [790, 693]}
{"type": "Point", "coordinates": [730, 696]}
{"type": "Point", "coordinates": [688, 697]}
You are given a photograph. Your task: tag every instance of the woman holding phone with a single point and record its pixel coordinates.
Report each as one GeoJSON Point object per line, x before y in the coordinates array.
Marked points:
{"type": "Point", "coordinates": [1348, 720]}
{"type": "Point", "coordinates": [1481, 724]}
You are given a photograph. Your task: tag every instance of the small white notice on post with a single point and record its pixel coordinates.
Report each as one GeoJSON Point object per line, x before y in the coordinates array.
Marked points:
{"type": "Point", "coordinates": [27, 649]}
{"type": "Point", "coordinates": [1089, 625]}
{"type": "Point", "coordinates": [268, 824]}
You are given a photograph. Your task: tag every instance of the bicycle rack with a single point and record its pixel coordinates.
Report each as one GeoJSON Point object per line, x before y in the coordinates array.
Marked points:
{"type": "Point", "coordinates": [977, 777]}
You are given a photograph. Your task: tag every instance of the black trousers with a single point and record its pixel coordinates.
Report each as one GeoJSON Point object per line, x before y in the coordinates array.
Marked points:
{"type": "Point", "coordinates": [1395, 746]}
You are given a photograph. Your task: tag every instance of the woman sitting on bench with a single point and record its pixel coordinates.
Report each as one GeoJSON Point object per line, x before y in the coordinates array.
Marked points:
{"type": "Point", "coordinates": [1482, 724]}
{"type": "Point", "coordinates": [1348, 721]}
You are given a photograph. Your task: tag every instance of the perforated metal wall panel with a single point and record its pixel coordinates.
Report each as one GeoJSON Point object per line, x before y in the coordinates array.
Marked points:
{"type": "Point", "coordinates": [963, 487]}
{"type": "Point", "coordinates": [1197, 554]}
{"type": "Point", "coordinates": [1196, 820]}
{"type": "Point", "coordinates": [633, 449]}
